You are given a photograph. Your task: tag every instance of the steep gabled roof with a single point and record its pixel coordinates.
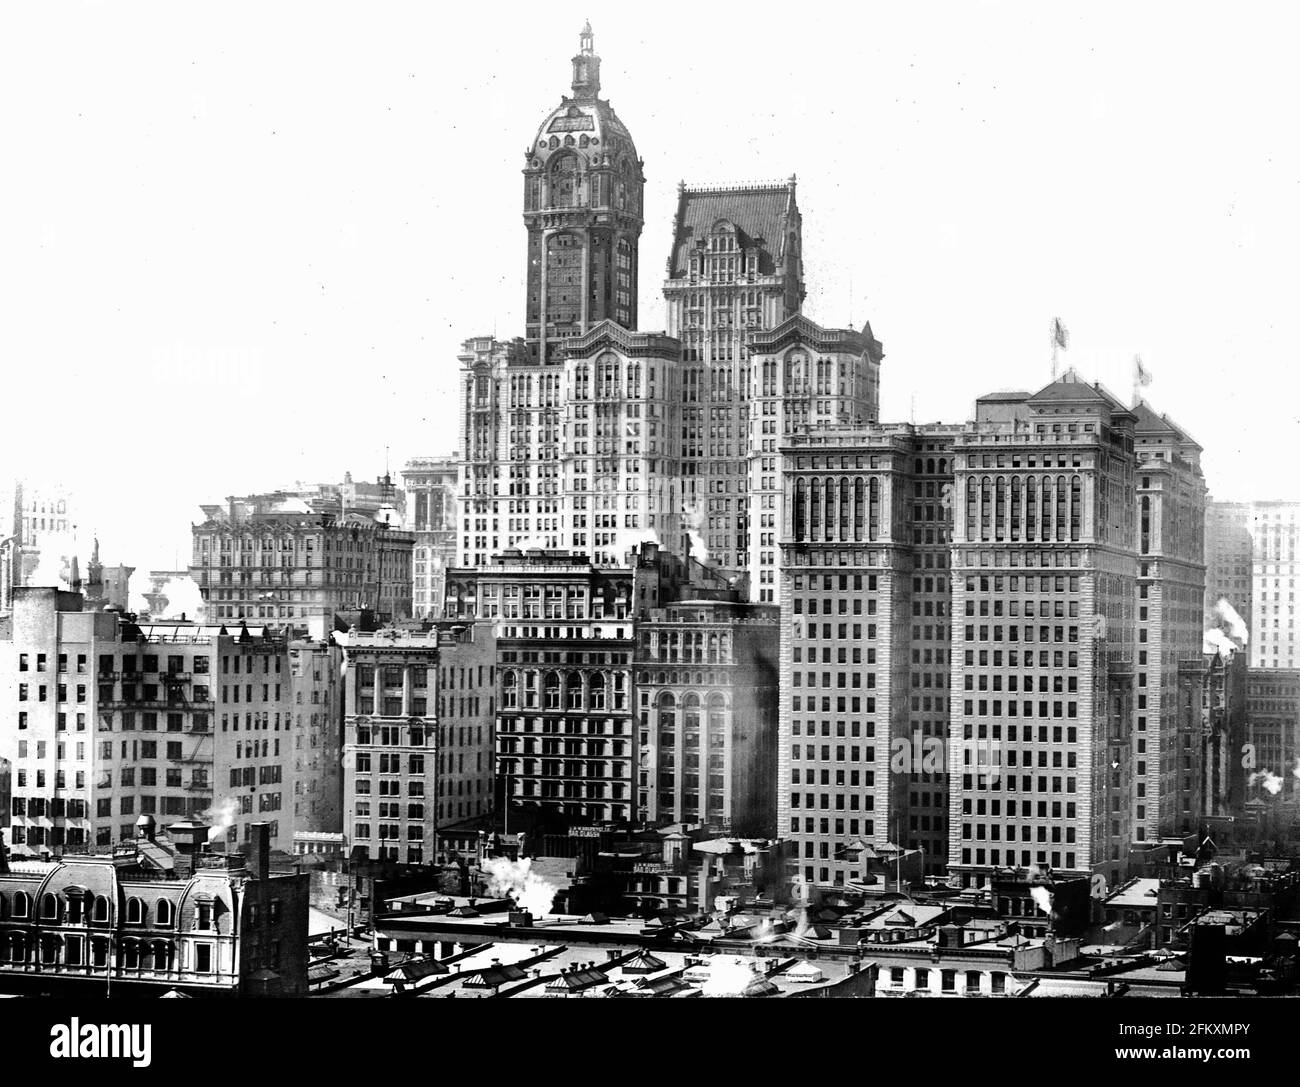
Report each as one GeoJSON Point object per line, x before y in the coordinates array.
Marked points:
{"type": "Point", "coordinates": [761, 214]}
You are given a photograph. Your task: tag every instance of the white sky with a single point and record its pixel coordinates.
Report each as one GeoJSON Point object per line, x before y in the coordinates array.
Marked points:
{"type": "Point", "coordinates": [241, 244]}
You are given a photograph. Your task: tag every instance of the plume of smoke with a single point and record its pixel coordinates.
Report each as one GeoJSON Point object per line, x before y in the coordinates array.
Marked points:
{"type": "Point", "coordinates": [183, 598]}
{"type": "Point", "coordinates": [693, 519]}
{"type": "Point", "coordinates": [1215, 641]}
{"type": "Point", "coordinates": [1296, 768]}
{"type": "Point", "coordinates": [53, 565]}
{"type": "Point", "coordinates": [629, 538]}
{"type": "Point", "coordinates": [1271, 782]}
{"type": "Point", "coordinates": [517, 879]}
{"type": "Point", "coordinates": [220, 817]}
{"type": "Point", "coordinates": [727, 977]}
{"type": "Point", "coordinates": [1235, 625]}
{"type": "Point", "coordinates": [136, 589]}
{"type": "Point", "coordinates": [1042, 897]}
{"type": "Point", "coordinates": [531, 543]}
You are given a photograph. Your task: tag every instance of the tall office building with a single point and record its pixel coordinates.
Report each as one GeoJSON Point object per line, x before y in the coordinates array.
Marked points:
{"type": "Point", "coordinates": [990, 618]}
{"type": "Point", "coordinates": [706, 688]}
{"type": "Point", "coordinates": [565, 635]}
{"type": "Point", "coordinates": [735, 269]}
{"type": "Point", "coordinates": [865, 544]}
{"type": "Point", "coordinates": [418, 744]}
{"type": "Point", "coordinates": [1251, 563]}
{"type": "Point", "coordinates": [113, 720]}
{"type": "Point", "coordinates": [583, 185]}
{"type": "Point", "coordinates": [431, 484]}
{"type": "Point", "coordinates": [1275, 531]}
{"type": "Point", "coordinates": [800, 376]}
{"type": "Point", "coordinates": [275, 559]}
{"type": "Point", "coordinates": [588, 435]}
{"type": "Point", "coordinates": [1229, 558]}
{"type": "Point", "coordinates": [1044, 592]}
{"type": "Point", "coordinates": [1168, 744]}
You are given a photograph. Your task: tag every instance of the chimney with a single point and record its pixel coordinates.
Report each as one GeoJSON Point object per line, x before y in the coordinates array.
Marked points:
{"type": "Point", "coordinates": [145, 828]}
{"type": "Point", "coordinates": [259, 838]}
{"type": "Point", "coordinates": [188, 840]}
{"type": "Point", "coordinates": [520, 919]}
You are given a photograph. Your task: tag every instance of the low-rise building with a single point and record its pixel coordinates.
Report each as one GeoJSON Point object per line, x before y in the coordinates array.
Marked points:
{"type": "Point", "coordinates": [155, 914]}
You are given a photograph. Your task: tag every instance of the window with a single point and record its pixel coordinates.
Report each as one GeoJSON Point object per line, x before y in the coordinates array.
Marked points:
{"type": "Point", "coordinates": [203, 958]}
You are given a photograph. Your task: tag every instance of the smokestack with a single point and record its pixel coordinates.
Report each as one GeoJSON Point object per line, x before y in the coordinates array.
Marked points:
{"type": "Point", "coordinates": [259, 838]}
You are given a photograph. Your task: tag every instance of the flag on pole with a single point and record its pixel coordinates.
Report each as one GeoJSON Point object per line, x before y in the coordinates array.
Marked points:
{"type": "Point", "coordinates": [1060, 336]}
{"type": "Point", "coordinates": [1141, 376]}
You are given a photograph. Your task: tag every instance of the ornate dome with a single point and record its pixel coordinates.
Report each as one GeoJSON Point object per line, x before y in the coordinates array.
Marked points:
{"type": "Point", "coordinates": [584, 123]}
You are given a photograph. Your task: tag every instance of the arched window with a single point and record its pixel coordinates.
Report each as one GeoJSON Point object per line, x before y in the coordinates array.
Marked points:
{"type": "Point", "coordinates": [800, 509]}
{"type": "Point", "coordinates": [76, 905]}
{"type": "Point", "coordinates": [667, 711]}
{"type": "Point", "coordinates": [691, 718]}
{"type": "Point", "coordinates": [597, 691]}
{"type": "Point", "coordinates": [510, 690]}
{"type": "Point", "coordinates": [164, 914]}
{"type": "Point", "coordinates": [1031, 510]}
{"type": "Point", "coordinates": [551, 688]}
{"type": "Point", "coordinates": [22, 905]}
{"type": "Point", "coordinates": [873, 508]}
{"type": "Point", "coordinates": [575, 691]}
{"type": "Point", "coordinates": [564, 179]}
{"type": "Point", "coordinates": [1076, 506]}
{"type": "Point", "coordinates": [100, 916]}
{"type": "Point", "coordinates": [717, 721]}
{"type": "Point", "coordinates": [49, 907]}
{"type": "Point", "coordinates": [17, 947]}
{"type": "Point", "coordinates": [163, 954]}
{"type": "Point", "coordinates": [859, 511]}
{"type": "Point", "coordinates": [134, 911]}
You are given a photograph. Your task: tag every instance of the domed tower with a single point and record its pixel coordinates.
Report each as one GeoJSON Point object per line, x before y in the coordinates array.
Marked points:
{"type": "Point", "coordinates": [583, 185]}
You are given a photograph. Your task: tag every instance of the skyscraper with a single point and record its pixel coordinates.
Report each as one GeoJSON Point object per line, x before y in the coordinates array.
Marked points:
{"type": "Point", "coordinates": [583, 185]}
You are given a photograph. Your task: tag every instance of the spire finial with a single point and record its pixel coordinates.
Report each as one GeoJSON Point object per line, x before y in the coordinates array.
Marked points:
{"type": "Point", "coordinates": [586, 67]}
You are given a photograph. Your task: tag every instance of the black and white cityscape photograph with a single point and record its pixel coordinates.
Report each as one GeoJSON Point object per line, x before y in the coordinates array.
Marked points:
{"type": "Point", "coordinates": [567, 502]}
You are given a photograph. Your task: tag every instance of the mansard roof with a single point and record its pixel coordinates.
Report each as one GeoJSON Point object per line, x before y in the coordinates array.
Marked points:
{"type": "Point", "coordinates": [761, 214]}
